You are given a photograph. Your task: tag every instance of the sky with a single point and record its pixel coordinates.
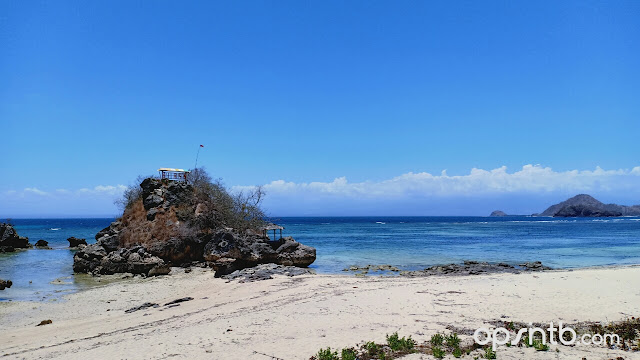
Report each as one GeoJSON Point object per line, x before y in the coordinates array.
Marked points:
{"type": "Point", "coordinates": [338, 108]}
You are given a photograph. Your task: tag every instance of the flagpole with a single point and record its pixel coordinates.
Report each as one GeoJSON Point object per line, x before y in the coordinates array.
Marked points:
{"type": "Point", "coordinates": [196, 167]}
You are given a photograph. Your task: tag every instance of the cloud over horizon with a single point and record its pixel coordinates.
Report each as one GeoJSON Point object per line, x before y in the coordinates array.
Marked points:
{"type": "Point", "coordinates": [526, 190]}
{"type": "Point", "coordinates": [411, 188]}
{"type": "Point", "coordinates": [531, 178]}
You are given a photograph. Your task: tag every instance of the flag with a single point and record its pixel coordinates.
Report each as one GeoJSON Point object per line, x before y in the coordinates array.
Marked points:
{"type": "Point", "coordinates": [201, 145]}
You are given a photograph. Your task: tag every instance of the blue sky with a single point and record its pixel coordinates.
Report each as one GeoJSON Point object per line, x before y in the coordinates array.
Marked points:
{"type": "Point", "coordinates": [93, 94]}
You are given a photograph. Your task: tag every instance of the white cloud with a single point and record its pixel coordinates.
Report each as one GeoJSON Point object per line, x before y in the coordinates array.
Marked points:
{"type": "Point", "coordinates": [529, 179]}
{"type": "Point", "coordinates": [35, 191]}
{"type": "Point", "coordinates": [110, 190]}
{"type": "Point", "coordinates": [104, 189]}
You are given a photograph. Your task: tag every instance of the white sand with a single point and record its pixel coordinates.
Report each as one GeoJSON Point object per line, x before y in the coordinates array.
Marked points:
{"type": "Point", "coordinates": [291, 318]}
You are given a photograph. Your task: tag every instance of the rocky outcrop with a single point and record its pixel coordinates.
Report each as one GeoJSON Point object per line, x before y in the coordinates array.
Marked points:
{"type": "Point", "coordinates": [584, 205]}
{"type": "Point", "coordinates": [498, 213]}
{"type": "Point", "coordinates": [10, 240]}
{"type": "Point", "coordinates": [374, 268]}
{"type": "Point", "coordinates": [74, 242]}
{"type": "Point", "coordinates": [228, 252]}
{"type": "Point", "coordinates": [265, 272]}
{"type": "Point", "coordinates": [476, 268]}
{"type": "Point", "coordinates": [136, 260]}
{"type": "Point", "coordinates": [5, 284]}
{"type": "Point", "coordinates": [42, 244]}
{"type": "Point", "coordinates": [157, 231]}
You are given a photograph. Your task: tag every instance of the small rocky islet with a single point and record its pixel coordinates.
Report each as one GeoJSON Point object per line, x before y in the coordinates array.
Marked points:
{"type": "Point", "coordinates": [163, 228]}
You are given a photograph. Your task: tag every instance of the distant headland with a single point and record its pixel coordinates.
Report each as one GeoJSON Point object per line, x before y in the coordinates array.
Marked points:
{"type": "Point", "coordinates": [584, 205]}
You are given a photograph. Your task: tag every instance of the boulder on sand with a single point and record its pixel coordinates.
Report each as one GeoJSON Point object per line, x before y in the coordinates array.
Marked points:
{"type": "Point", "coordinates": [228, 252]}
{"type": "Point", "coordinates": [136, 260]}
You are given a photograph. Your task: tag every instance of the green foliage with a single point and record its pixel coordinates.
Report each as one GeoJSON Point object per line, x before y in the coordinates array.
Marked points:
{"type": "Point", "coordinates": [438, 353]}
{"type": "Point", "coordinates": [437, 339]}
{"type": "Point", "coordinates": [627, 329]}
{"type": "Point", "coordinates": [452, 340]}
{"type": "Point", "coordinates": [539, 345]}
{"type": "Point", "coordinates": [526, 342]}
{"type": "Point", "coordinates": [372, 348]}
{"type": "Point", "coordinates": [489, 353]}
{"type": "Point", "coordinates": [327, 354]}
{"type": "Point", "coordinates": [348, 354]}
{"type": "Point", "coordinates": [457, 352]}
{"type": "Point", "coordinates": [397, 343]}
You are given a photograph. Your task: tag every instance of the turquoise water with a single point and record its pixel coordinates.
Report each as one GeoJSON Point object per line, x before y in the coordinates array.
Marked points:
{"type": "Point", "coordinates": [32, 271]}
{"type": "Point", "coordinates": [407, 242]}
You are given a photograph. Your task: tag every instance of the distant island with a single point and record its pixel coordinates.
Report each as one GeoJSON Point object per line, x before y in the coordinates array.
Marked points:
{"type": "Point", "coordinates": [584, 205]}
{"type": "Point", "coordinates": [498, 213]}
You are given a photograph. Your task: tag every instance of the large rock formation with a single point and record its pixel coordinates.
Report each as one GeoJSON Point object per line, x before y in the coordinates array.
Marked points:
{"type": "Point", "coordinates": [586, 206]}
{"type": "Point", "coordinates": [161, 228]}
{"type": "Point", "coordinates": [10, 240]}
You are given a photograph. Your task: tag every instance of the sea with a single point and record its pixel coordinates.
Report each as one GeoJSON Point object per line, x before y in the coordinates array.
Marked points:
{"type": "Point", "coordinates": [409, 243]}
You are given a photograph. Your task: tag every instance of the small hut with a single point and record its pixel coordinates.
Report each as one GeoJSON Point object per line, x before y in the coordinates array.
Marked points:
{"type": "Point", "coordinates": [270, 227]}
{"type": "Point", "coordinates": [173, 174]}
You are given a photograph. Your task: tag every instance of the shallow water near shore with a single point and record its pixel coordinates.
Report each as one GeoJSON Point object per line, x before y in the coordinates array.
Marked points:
{"type": "Point", "coordinates": [410, 243]}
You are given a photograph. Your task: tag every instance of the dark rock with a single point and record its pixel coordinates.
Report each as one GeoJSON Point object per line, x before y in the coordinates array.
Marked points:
{"type": "Point", "coordinates": [161, 269]}
{"type": "Point", "coordinates": [136, 260]}
{"type": "Point", "coordinates": [9, 239]}
{"type": "Point", "coordinates": [365, 269]}
{"type": "Point", "coordinates": [152, 201]}
{"type": "Point", "coordinates": [476, 268]}
{"type": "Point", "coordinates": [498, 213]}
{"type": "Point", "coordinates": [265, 272]}
{"type": "Point", "coordinates": [151, 214]}
{"type": "Point", "coordinates": [75, 242]}
{"type": "Point", "coordinates": [42, 244]}
{"type": "Point", "coordinates": [293, 253]}
{"type": "Point", "coordinates": [45, 322]}
{"type": "Point", "coordinates": [178, 193]}
{"type": "Point", "coordinates": [5, 284]}
{"type": "Point", "coordinates": [6, 249]}
{"type": "Point", "coordinates": [584, 205]}
{"type": "Point", "coordinates": [229, 251]}
{"type": "Point", "coordinates": [180, 250]}
{"type": "Point", "coordinates": [142, 307]}
{"type": "Point", "coordinates": [534, 266]}
{"type": "Point", "coordinates": [177, 301]}
{"type": "Point", "coordinates": [108, 237]}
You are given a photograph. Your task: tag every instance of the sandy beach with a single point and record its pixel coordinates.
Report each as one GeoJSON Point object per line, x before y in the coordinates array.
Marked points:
{"type": "Point", "coordinates": [293, 317]}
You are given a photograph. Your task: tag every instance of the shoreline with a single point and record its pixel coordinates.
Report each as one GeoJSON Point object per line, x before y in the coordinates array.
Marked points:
{"type": "Point", "coordinates": [293, 317]}
{"type": "Point", "coordinates": [89, 282]}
